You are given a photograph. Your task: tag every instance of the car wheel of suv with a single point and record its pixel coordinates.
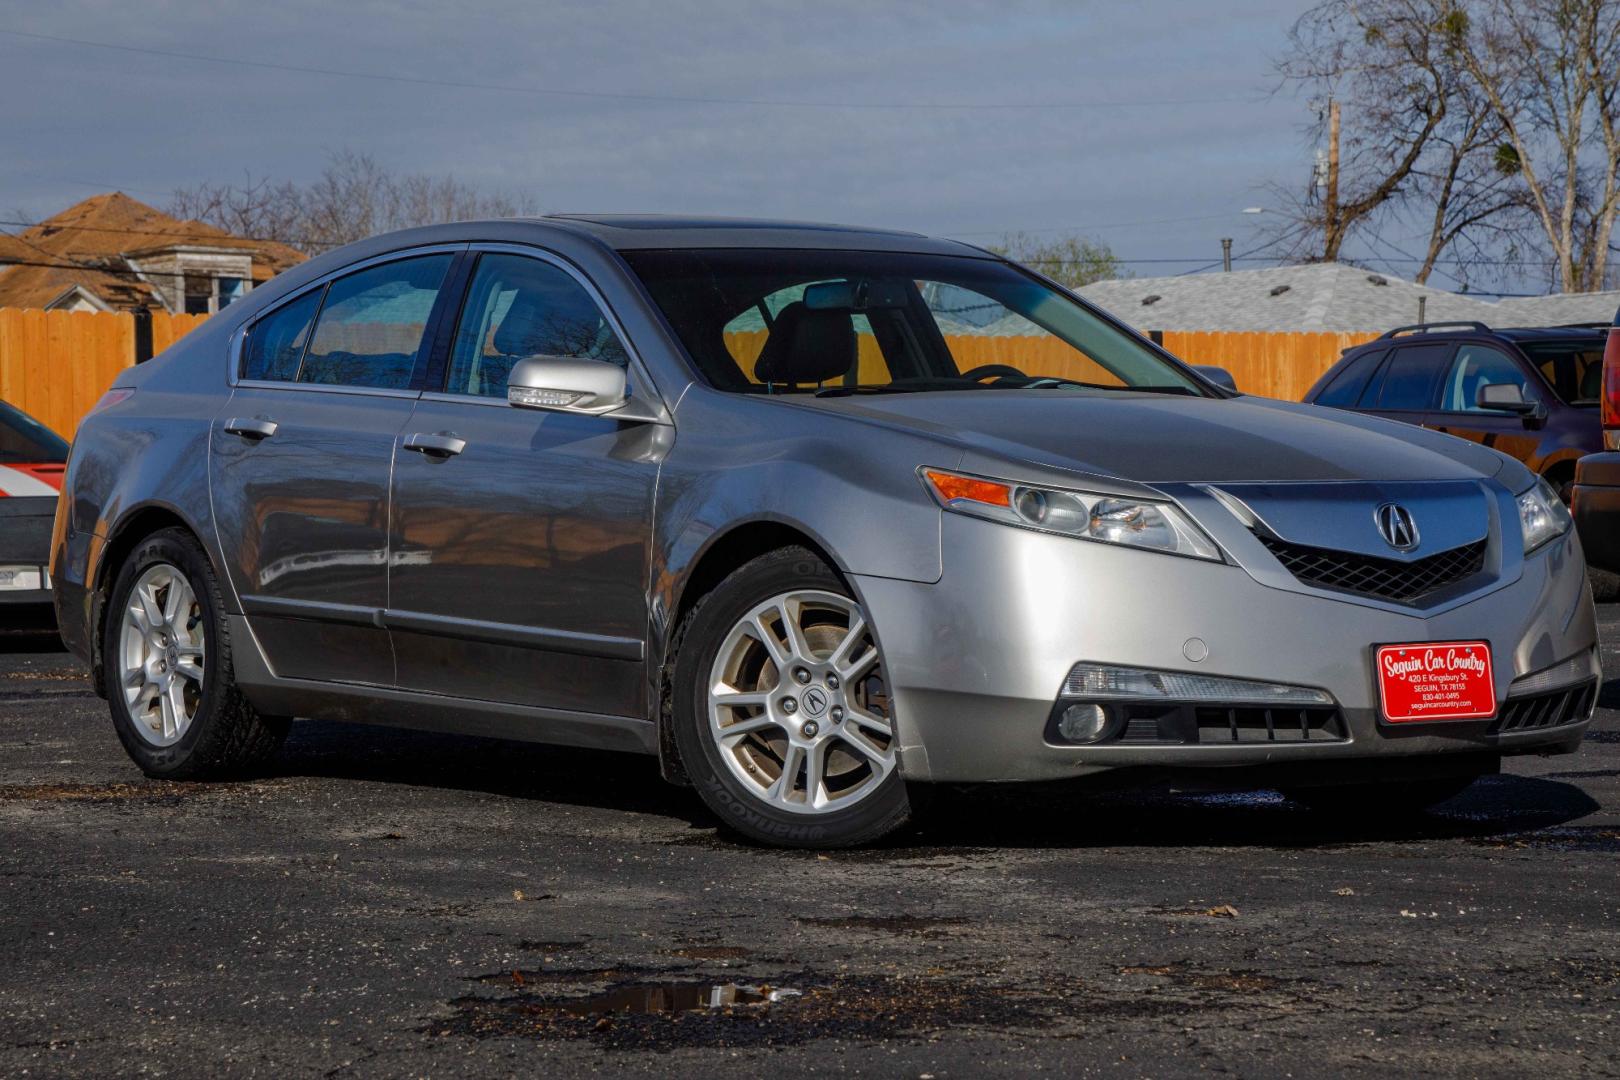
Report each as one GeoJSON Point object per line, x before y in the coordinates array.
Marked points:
{"type": "Point", "coordinates": [168, 660]}
{"type": "Point", "coordinates": [1385, 800]}
{"type": "Point", "coordinates": [781, 708]}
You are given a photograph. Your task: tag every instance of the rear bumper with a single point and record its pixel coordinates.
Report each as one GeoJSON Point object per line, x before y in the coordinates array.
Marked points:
{"type": "Point", "coordinates": [25, 545]}
{"type": "Point", "coordinates": [1597, 508]}
{"type": "Point", "coordinates": [977, 661]}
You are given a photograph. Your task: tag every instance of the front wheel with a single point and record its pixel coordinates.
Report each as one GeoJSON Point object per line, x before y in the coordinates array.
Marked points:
{"type": "Point", "coordinates": [782, 710]}
{"type": "Point", "coordinates": [170, 684]}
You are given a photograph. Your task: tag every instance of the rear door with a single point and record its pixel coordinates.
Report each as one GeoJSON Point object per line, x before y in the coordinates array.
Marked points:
{"type": "Point", "coordinates": [300, 460]}
{"type": "Point", "coordinates": [1477, 364]}
{"type": "Point", "coordinates": [521, 549]}
{"type": "Point", "coordinates": [1406, 388]}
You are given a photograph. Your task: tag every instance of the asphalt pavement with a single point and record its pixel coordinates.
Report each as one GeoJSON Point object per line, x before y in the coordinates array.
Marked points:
{"type": "Point", "coordinates": [389, 903]}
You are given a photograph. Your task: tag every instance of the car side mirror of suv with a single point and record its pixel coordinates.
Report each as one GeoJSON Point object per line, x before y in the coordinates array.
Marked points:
{"type": "Point", "coordinates": [1509, 397]}
{"type": "Point", "coordinates": [567, 384]}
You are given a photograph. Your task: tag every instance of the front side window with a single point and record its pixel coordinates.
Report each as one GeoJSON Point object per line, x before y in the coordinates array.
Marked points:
{"type": "Point", "coordinates": [275, 345]}
{"type": "Point", "coordinates": [516, 308]}
{"type": "Point", "coordinates": [800, 321]}
{"type": "Point", "coordinates": [372, 325]}
{"type": "Point", "coordinates": [1476, 366]}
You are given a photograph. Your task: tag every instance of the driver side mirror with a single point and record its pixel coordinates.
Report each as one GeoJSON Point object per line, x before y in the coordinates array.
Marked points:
{"type": "Point", "coordinates": [567, 384]}
{"type": "Point", "coordinates": [1509, 397]}
{"type": "Point", "coordinates": [1217, 375]}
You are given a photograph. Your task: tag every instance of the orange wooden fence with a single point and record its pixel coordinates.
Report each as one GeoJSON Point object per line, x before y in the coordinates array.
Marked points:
{"type": "Point", "coordinates": [1271, 365]}
{"type": "Point", "coordinates": [55, 364]}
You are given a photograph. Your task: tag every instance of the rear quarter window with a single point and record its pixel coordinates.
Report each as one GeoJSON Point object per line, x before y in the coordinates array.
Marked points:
{"type": "Point", "coordinates": [1345, 388]}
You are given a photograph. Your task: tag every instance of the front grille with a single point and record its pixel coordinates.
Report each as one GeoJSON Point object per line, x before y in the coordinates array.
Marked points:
{"type": "Point", "coordinates": [1546, 710]}
{"type": "Point", "coordinates": [1403, 582]}
{"type": "Point", "coordinates": [1186, 725]}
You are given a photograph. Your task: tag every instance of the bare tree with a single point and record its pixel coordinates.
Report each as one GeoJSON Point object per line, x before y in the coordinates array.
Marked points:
{"type": "Point", "coordinates": [1411, 139]}
{"type": "Point", "coordinates": [1550, 70]}
{"type": "Point", "coordinates": [1070, 260]}
{"type": "Point", "coordinates": [354, 197]}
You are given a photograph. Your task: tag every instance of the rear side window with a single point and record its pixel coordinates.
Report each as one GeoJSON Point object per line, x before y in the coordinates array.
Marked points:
{"type": "Point", "coordinates": [1409, 378]}
{"type": "Point", "coordinates": [275, 346]}
{"type": "Point", "coordinates": [1346, 387]}
{"type": "Point", "coordinates": [373, 323]}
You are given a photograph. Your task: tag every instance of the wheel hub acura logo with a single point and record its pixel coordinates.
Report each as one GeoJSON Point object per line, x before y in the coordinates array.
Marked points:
{"type": "Point", "coordinates": [1395, 525]}
{"type": "Point", "coordinates": [815, 701]}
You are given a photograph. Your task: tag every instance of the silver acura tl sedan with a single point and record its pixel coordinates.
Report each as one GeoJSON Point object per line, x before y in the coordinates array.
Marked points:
{"type": "Point", "coordinates": [819, 516]}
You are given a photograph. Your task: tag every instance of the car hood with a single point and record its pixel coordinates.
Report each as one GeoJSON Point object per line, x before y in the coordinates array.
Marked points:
{"type": "Point", "coordinates": [1159, 438]}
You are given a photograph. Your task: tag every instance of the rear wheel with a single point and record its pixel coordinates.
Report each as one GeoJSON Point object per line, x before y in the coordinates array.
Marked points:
{"type": "Point", "coordinates": [782, 712]}
{"type": "Point", "coordinates": [167, 653]}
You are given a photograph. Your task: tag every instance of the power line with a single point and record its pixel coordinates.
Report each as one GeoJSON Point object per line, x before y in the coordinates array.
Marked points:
{"type": "Point", "coordinates": [605, 95]}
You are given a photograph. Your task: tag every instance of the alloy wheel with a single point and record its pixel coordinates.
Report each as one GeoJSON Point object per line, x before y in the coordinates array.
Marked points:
{"type": "Point", "coordinates": [161, 655]}
{"type": "Point", "coordinates": [798, 706]}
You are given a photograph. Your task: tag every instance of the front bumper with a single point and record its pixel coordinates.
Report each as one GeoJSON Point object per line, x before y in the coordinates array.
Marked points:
{"type": "Point", "coordinates": [25, 549]}
{"type": "Point", "coordinates": [976, 661]}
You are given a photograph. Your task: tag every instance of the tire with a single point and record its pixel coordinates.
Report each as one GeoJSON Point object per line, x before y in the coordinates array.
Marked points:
{"type": "Point", "coordinates": [210, 731]}
{"type": "Point", "coordinates": [846, 789]}
{"type": "Point", "coordinates": [1382, 801]}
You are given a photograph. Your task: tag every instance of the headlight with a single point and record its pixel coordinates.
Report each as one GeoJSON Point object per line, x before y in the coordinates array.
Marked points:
{"type": "Point", "coordinates": [1542, 516]}
{"type": "Point", "coordinates": [1157, 526]}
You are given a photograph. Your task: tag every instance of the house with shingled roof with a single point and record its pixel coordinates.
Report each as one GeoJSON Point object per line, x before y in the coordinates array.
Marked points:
{"type": "Point", "coordinates": [1324, 297]}
{"type": "Point", "coordinates": [114, 253]}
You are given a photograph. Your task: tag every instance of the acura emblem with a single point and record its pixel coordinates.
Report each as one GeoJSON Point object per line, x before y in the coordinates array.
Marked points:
{"type": "Point", "coordinates": [1395, 525]}
{"type": "Point", "coordinates": [815, 701]}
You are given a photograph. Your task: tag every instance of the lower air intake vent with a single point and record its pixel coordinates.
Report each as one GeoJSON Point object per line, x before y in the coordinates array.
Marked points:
{"type": "Point", "coordinates": [1403, 582]}
{"type": "Point", "coordinates": [1547, 710]}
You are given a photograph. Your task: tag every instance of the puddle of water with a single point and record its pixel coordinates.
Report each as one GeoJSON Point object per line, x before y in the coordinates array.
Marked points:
{"type": "Point", "coordinates": [660, 998]}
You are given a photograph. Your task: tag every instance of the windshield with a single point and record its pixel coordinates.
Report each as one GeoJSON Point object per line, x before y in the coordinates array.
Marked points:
{"type": "Point", "coordinates": [1574, 369]}
{"type": "Point", "coordinates": [829, 322]}
{"type": "Point", "coordinates": [26, 441]}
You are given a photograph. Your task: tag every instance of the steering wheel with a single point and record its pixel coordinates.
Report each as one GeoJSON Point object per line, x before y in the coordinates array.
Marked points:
{"type": "Point", "coordinates": [984, 371]}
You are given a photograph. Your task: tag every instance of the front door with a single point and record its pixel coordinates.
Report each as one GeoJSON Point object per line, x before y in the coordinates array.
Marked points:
{"type": "Point", "coordinates": [521, 539]}
{"type": "Point", "coordinates": [299, 466]}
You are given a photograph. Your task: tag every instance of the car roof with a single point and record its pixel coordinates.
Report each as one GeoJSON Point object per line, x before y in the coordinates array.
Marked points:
{"type": "Point", "coordinates": [639, 232]}
{"type": "Point", "coordinates": [1596, 333]}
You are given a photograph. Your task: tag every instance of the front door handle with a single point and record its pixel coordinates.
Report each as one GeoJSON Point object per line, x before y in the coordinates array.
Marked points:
{"type": "Point", "coordinates": [251, 428]}
{"type": "Point", "coordinates": [441, 445]}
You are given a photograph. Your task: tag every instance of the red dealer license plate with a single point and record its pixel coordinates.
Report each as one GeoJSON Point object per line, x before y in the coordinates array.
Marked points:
{"type": "Point", "coordinates": [1436, 680]}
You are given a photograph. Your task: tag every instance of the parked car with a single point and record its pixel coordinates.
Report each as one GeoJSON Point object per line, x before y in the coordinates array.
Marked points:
{"type": "Point", "coordinates": [32, 458]}
{"type": "Point", "coordinates": [1436, 374]}
{"type": "Point", "coordinates": [1597, 476]}
{"type": "Point", "coordinates": [817, 515]}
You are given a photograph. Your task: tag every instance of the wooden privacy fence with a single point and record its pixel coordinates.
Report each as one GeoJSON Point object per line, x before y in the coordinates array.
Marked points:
{"type": "Point", "coordinates": [54, 365]}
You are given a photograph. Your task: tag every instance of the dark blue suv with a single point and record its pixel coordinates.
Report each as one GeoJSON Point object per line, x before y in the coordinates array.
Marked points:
{"type": "Point", "coordinates": [1435, 375]}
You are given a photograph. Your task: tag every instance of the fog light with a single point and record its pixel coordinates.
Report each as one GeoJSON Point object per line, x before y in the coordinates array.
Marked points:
{"type": "Point", "coordinates": [1083, 723]}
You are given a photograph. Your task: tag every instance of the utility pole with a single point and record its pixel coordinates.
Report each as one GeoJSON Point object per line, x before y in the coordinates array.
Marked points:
{"type": "Point", "coordinates": [1331, 239]}
{"type": "Point", "coordinates": [1226, 254]}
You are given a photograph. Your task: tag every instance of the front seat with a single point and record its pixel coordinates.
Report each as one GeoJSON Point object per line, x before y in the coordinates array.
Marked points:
{"type": "Point", "coordinates": [807, 346]}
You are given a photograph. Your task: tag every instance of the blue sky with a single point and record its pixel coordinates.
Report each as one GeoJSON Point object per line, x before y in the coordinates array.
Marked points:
{"type": "Point", "coordinates": [1162, 176]}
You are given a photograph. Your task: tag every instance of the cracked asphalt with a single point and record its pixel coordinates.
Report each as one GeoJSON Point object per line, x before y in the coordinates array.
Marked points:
{"type": "Point", "coordinates": [388, 903]}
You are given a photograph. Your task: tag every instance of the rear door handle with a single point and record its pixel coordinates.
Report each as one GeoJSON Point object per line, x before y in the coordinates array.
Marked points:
{"type": "Point", "coordinates": [252, 428]}
{"type": "Point", "coordinates": [441, 445]}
